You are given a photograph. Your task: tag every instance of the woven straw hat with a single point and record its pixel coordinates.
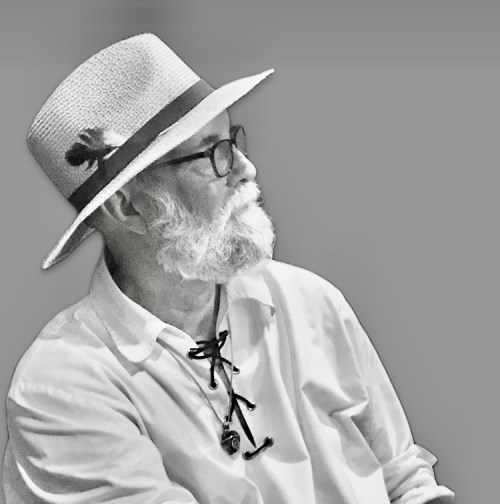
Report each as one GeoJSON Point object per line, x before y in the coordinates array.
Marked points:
{"type": "Point", "coordinates": [141, 90]}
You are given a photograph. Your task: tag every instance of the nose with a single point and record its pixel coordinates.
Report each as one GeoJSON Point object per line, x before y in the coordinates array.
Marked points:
{"type": "Point", "coordinates": [243, 169]}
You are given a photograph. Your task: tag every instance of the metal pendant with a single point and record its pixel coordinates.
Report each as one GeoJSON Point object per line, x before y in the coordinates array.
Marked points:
{"type": "Point", "coordinates": [230, 440]}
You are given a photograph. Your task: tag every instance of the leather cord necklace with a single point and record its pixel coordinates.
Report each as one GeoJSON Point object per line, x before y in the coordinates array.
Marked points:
{"type": "Point", "coordinates": [210, 349]}
{"type": "Point", "coordinates": [230, 439]}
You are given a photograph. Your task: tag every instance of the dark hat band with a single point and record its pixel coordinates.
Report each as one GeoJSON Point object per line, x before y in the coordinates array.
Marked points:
{"type": "Point", "coordinates": [112, 166]}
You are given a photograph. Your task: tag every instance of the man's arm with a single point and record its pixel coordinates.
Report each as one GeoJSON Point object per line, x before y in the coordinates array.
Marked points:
{"type": "Point", "coordinates": [407, 467]}
{"type": "Point", "coordinates": [68, 448]}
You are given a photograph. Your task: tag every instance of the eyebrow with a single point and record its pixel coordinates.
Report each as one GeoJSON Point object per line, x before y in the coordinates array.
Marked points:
{"type": "Point", "coordinates": [208, 140]}
{"type": "Point", "coordinates": [205, 142]}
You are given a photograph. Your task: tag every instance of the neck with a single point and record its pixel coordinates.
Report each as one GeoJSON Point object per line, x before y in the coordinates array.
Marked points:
{"type": "Point", "coordinates": [190, 305]}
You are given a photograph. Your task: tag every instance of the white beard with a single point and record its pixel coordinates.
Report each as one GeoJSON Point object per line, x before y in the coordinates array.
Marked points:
{"type": "Point", "coordinates": [237, 240]}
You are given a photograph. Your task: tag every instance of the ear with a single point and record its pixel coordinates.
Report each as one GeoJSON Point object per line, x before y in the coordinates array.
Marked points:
{"type": "Point", "coordinates": [120, 209]}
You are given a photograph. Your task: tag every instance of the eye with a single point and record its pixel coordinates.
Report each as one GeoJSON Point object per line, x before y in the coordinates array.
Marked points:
{"type": "Point", "coordinates": [240, 139]}
{"type": "Point", "coordinates": [223, 157]}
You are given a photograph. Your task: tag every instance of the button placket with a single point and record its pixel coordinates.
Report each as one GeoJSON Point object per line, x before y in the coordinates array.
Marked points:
{"type": "Point", "coordinates": [202, 361]}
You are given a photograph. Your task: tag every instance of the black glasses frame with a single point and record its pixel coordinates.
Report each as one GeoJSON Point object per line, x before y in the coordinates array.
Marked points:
{"type": "Point", "coordinates": [210, 152]}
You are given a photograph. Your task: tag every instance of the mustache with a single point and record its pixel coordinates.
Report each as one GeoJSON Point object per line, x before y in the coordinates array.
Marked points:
{"type": "Point", "coordinates": [249, 193]}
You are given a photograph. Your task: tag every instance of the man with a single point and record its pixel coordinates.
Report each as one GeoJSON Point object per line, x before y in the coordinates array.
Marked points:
{"type": "Point", "coordinates": [197, 370]}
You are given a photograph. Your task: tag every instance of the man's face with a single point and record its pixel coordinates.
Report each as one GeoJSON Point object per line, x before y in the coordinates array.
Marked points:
{"type": "Point", "coordinates": [200, 225]}
{"type": "Point", "coordinates": [194, 183]}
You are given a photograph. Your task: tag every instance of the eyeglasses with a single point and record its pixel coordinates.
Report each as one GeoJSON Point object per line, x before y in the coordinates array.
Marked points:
{"type": "Point", "coordinates": [221, 154]}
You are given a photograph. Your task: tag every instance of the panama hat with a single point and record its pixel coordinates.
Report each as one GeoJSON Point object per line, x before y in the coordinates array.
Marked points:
{"type": "Point", "coordinates": [140, 90]}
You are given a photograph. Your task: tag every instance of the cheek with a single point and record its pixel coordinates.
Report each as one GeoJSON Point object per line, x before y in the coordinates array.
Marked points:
{"type": "Point", "coordinates": [206, 198]}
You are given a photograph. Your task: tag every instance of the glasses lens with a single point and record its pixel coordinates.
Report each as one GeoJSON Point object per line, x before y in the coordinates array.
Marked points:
{"type": "Point", "coordinates": [223, 158]}
{"type": "Point", "coordinates": [240, 139]}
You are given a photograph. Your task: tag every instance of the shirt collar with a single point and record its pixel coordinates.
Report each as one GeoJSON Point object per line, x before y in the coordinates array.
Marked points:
{"type": "Point", "coordinates": [251, 286]}
{"type": "Point", "coordinates": [135, 330]}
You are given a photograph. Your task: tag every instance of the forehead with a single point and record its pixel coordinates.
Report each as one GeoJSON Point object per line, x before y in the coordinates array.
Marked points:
{"type": "Point", "coordinates": [217, 129]}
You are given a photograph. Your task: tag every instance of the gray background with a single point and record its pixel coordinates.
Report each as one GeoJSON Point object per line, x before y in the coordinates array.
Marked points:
{"type": "Point", "coordinates": [377, 148]}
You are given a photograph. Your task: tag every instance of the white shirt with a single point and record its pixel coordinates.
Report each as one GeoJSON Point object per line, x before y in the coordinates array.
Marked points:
{"type": "Point", "coordinates": [106, 406]}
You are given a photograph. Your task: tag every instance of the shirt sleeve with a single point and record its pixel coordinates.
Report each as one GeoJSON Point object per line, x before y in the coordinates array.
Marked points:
{"type": "Point", "coordinates": [407, 467]}
{"type": "Point", "coordinates": [67, 448]}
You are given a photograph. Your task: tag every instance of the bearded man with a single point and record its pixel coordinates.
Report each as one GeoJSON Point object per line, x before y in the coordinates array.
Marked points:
{"type": "Point", "coordinates": [197, 370]}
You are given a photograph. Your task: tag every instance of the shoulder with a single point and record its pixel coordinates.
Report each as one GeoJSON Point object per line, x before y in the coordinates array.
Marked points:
{"type": "Point", "coordinates": [70, 352]}
{"type": "Point", "coordinates": [316, 316]}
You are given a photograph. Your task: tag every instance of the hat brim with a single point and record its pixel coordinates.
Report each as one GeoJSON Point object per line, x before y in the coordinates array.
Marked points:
{"type": "Point", "coordinates": [194, 120]}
